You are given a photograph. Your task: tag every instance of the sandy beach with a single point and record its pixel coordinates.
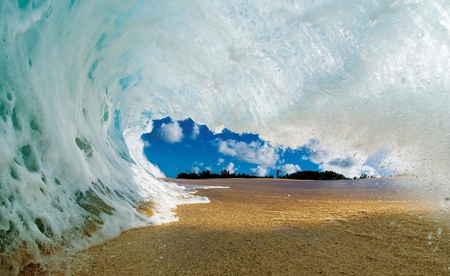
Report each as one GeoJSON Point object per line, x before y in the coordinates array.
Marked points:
{"type": "Point", "coordinates": [272, 227]}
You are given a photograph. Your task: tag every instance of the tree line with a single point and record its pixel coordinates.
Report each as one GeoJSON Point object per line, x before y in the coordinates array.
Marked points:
{"type": "Point", "coordinates": [223, 174]}
{"type": "Point", "coordinates": [314, 175]}
{"type": "Point", "coordinates": [301, 175]}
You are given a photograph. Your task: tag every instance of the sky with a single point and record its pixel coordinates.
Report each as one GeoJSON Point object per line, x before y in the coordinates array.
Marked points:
{"type": "Point", "coordinates": [184, 146]}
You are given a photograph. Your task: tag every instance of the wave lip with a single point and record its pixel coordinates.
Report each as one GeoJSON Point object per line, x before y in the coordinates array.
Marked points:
{"type": "Point", "coordinates": [68, 178]}
{"type": "Point", "coordinates": [81, 81]}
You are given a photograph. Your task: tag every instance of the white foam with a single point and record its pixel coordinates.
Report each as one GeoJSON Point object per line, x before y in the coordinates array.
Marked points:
{"type": "Point", "coordinates": [192, 188]}
{"type": "Point", "coordinates": [81, 81]}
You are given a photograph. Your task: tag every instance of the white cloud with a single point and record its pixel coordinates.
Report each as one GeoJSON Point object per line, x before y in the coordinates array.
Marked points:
{"type": "Point", "coordinates": [195, 132]}
{"type": "Point", "coordinates": [195, 169]}
{"type": "Point", "coordinates": [258, 171]}
{"type": "Point", "coordinates": [350, 163]}
{"type": "Point", "coordinates": [335, 160]}
{"type": "Point", "coordinates": [220, 161]}
{"type": "Point", "coordinates": [218, 129]}
{"type": "Point", "coordinates": [254, 152]}
{"type": "Point", "coordinates": [231, 168]}
{"type": "Point", "coordinates": [171, 132]}
{"type": "Point", "coordinates": [147, 144]}
{"type": "Point", "coordinates": [369, 171]}
{"type": "Point", "coordinates": [289, 168]}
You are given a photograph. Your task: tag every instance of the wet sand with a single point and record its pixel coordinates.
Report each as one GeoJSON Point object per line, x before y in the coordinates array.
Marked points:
{"type": "Point", "coordinates": [272, 227]}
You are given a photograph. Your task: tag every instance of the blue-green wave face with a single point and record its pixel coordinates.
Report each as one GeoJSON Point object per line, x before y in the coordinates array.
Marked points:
{"type": "Point", "coordinates": [80, 81]}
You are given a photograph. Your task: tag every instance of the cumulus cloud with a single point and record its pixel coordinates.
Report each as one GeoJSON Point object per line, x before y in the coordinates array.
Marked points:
{"type": "Point", "coordinates": [289, 168]}
{"type": "Point", "coordinates": [334, 160]}
{"type": "Point", "coordinates": [346, 162]}
{"type": "Point", "coordinates": [258, 171]}
{"type": "Point", "coordinates": [218, 129]}
{"type": "Point", "coordinates": [231, 168]}
{"type": "Point", "coordinates": [171, 132]}
{"type": "Point", "coordinates": [254, 152]}
{"type": "Point", "coordinates": [220, 161]}
{"type": "Point", "coordinates": [349, 163]}
{"type": "Point", "coordinates": [195, 132]}
{"type": "Point", "coordinates": [196, 167]}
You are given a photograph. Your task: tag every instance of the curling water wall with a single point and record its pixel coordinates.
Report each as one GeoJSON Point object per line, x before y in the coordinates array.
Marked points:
{"type": "Point", "coordinates": [67, 179]}
{"type": "Point", "coordinates": [80, 81]}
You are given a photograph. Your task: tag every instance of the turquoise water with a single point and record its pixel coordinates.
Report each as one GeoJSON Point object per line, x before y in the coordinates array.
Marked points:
{"type": "Point", "coordinates": [81, 81]}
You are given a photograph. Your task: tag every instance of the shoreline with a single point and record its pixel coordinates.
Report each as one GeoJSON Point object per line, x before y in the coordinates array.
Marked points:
{"type": "Point", "coordinates": [258, 228]}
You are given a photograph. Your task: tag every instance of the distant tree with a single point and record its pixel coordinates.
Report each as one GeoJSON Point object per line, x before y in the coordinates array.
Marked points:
{"type": "Point", "coordinates": [314, 175]}
{"type": "Point", "coordinates": [191, 175]}
{"type": "Point", "coordinates": [205, 174]}
{"type": "Point", "coordinates": [224, 172]}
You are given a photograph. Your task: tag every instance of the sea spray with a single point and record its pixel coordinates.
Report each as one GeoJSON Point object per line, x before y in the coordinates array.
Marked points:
{"type": "Point", "coordinates": [80, 81]}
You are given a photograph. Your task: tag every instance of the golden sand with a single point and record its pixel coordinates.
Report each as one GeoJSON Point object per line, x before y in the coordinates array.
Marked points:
{"type": "Point", "coordinates": [258, 228]}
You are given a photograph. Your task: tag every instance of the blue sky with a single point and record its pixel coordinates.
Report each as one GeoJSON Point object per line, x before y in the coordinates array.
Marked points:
{"type": "Point", "coordinates": [184, 146]}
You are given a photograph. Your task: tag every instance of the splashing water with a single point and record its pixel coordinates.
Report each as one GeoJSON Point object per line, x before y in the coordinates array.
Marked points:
{"type": "Point", "coordinates": [80, 81]}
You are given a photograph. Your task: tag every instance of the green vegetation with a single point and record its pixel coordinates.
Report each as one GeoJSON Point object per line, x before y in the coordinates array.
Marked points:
{"type": "Point", "coordinates": [313, 175]}
{"type": "Point", "coordinates": [223, 174]}
{"type": "Point", "coordinates": [303, 175]}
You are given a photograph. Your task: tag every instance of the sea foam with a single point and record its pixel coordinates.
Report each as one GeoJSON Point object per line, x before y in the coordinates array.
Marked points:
{"type": "Point", "coordinates": [80, 81]}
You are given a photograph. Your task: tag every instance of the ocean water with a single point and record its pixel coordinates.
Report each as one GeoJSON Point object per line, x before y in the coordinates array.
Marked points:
{"type": "Point", "coordinates": [81, 81]}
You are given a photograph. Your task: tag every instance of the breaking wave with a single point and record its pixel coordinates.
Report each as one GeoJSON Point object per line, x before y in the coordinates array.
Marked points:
{"type": "Point", "coordinates": [81, 81]}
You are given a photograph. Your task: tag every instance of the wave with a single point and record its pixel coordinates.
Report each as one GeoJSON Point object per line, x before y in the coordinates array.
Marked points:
{"type": "Point", "coordinates": [80, 82]}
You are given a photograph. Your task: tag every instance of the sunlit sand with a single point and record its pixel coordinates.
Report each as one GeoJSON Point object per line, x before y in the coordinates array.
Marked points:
{"type": "Point", "coordinates": [273, 227]}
